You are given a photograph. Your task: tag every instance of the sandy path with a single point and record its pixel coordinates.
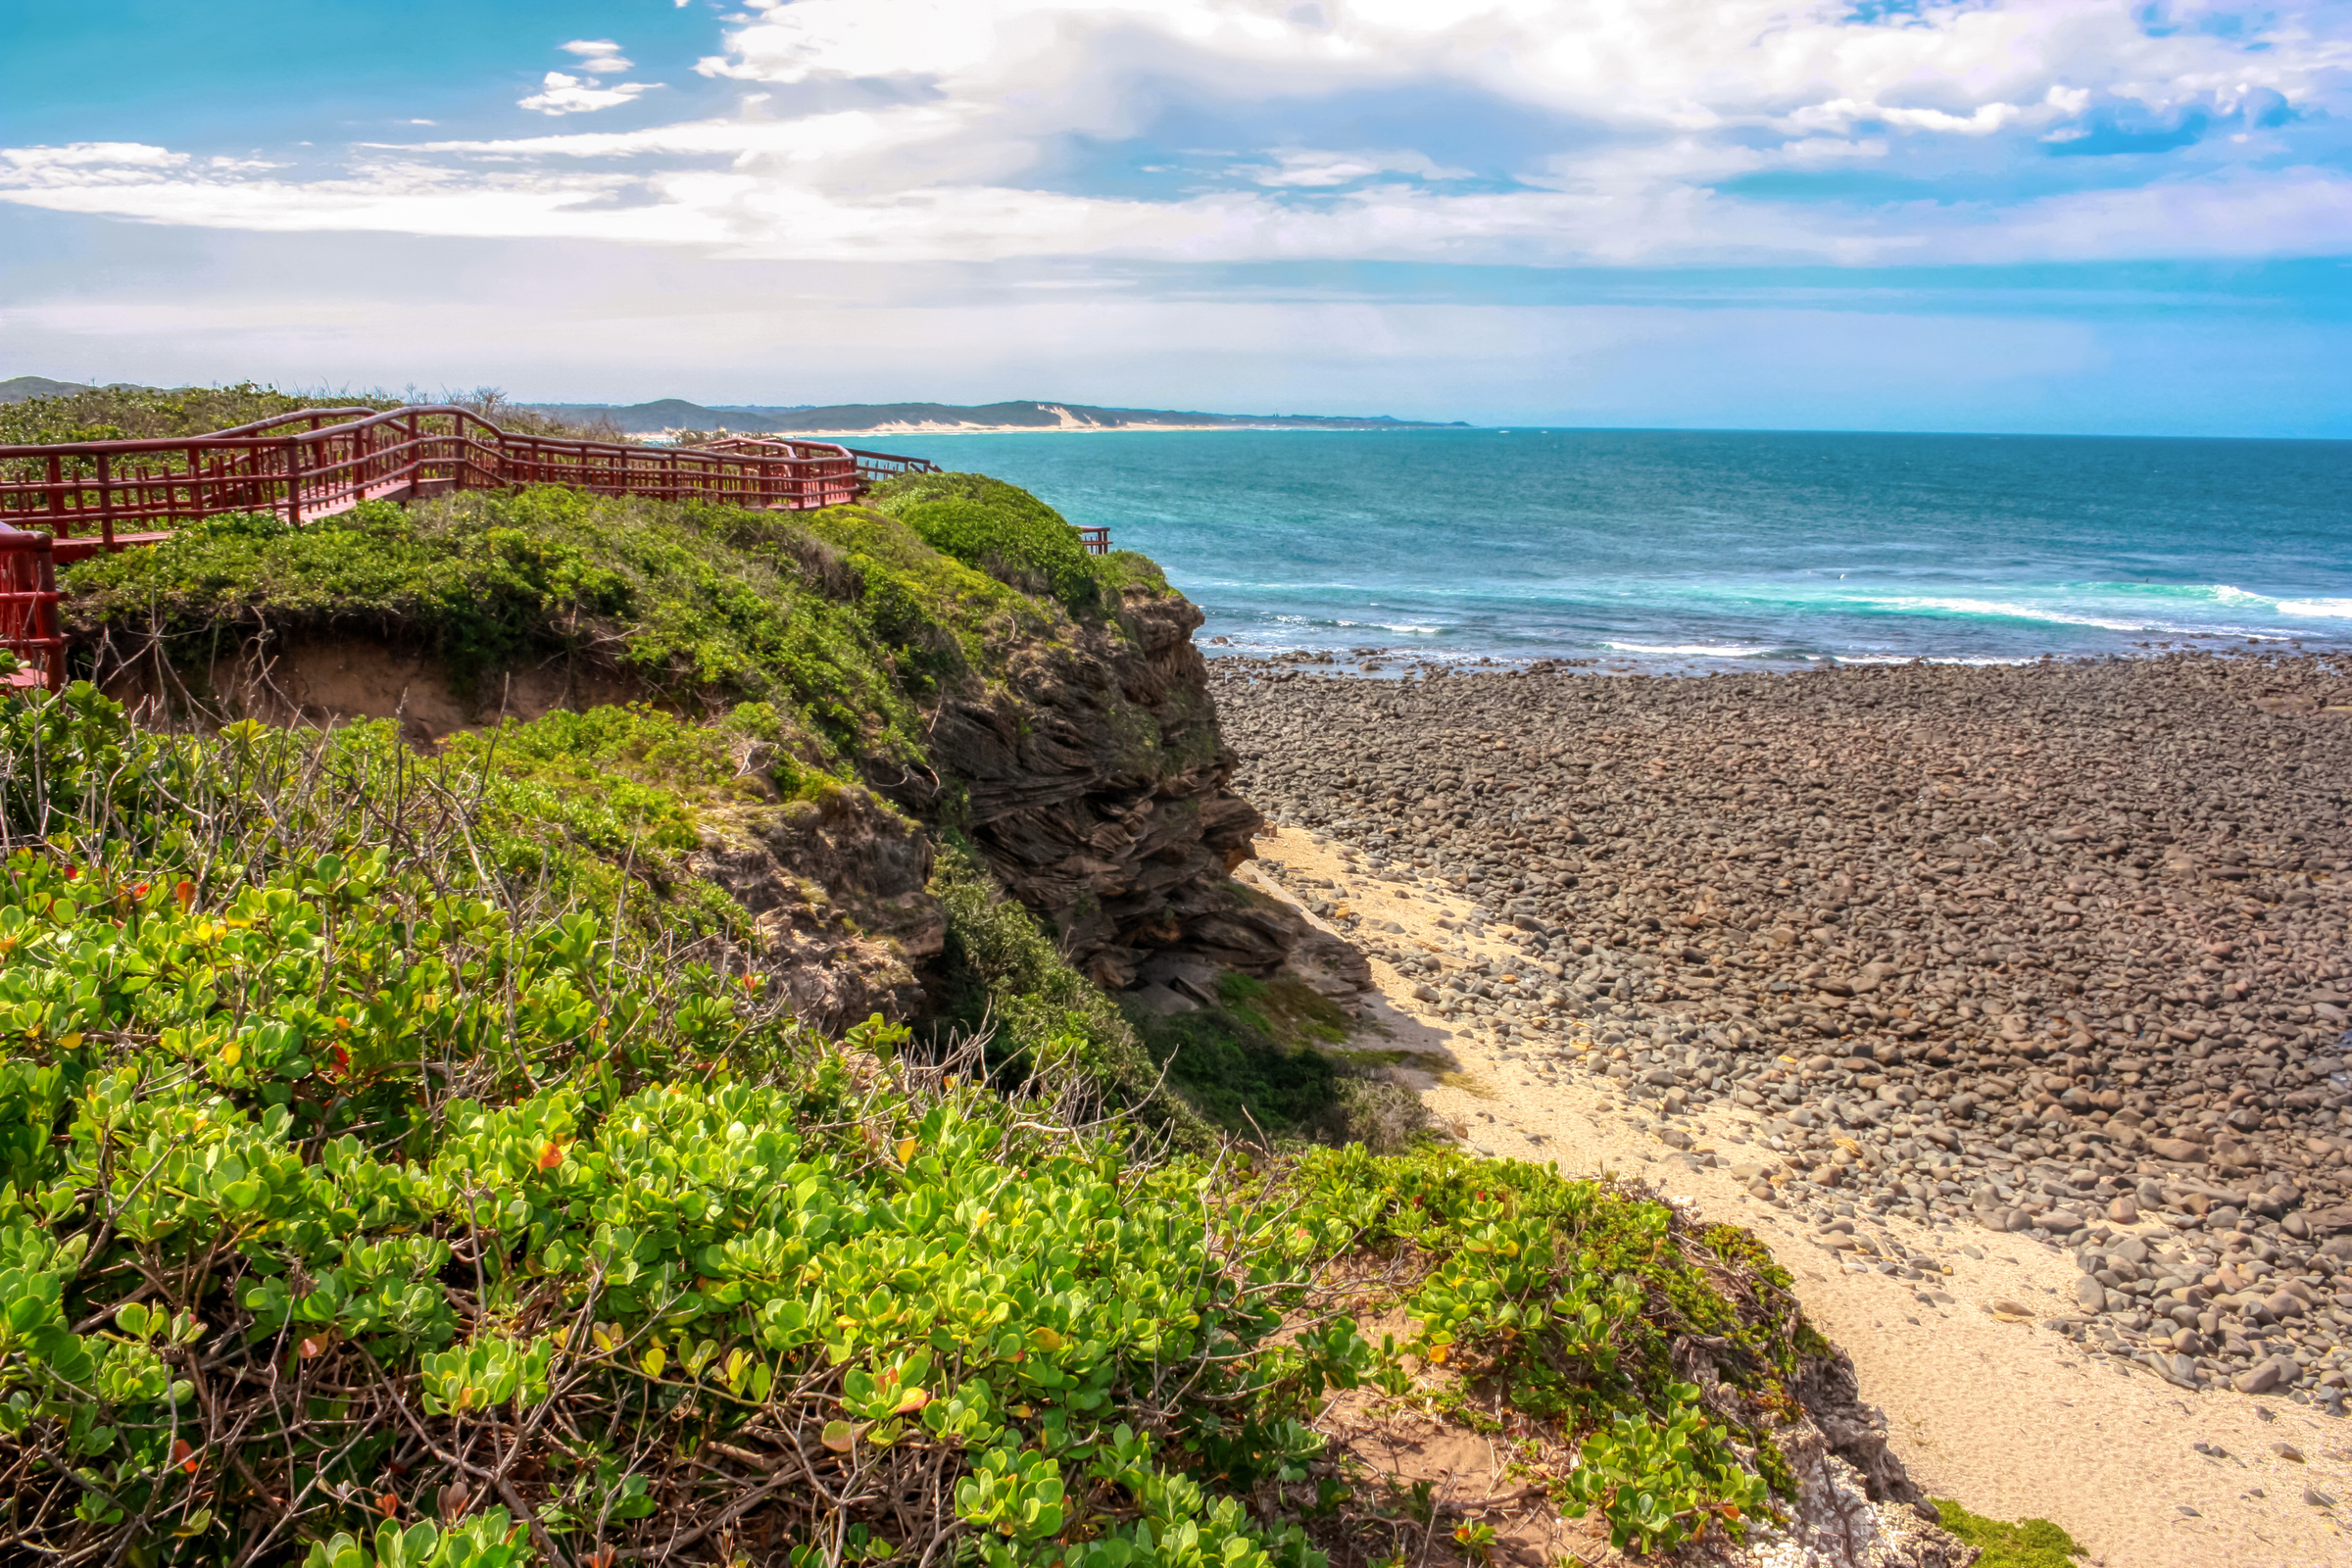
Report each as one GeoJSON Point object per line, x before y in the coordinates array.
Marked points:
{"type": "Point", "coordinates": [2009, 1418]}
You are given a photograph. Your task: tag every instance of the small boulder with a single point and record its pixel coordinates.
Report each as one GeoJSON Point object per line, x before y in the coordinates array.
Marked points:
{"type": "Point", "coordinates": [2263, 1375]}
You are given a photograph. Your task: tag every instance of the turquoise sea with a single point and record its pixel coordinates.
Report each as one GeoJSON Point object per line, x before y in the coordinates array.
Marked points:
{"type": "Point", "coordinates": [1703, 548]}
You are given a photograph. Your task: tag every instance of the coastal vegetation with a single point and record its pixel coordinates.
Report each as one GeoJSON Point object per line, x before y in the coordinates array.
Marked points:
{"type": "Point", "coordinates": [414, 1153]}
{"type": "Point", "coordinates": [2027, 1543]}
{"type": "Point", "coordinates": [148, 413]}
{"type": "Point", "coordinates": [352, 1185]}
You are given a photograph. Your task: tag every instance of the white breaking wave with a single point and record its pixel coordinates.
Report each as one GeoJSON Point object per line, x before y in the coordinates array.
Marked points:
{"type": "Point", "coordinates": [2325, 608]}
{"type": "Point", "coordinates": [1690, 649]}
{"type": "Point", "coordinates": [1991, 607]}
{"type": "Point", "coordinates": [1934, 659]}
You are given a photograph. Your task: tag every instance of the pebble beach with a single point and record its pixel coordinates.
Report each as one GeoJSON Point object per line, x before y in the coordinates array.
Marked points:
{"type": "Point", "coordinates": [2012, 996]}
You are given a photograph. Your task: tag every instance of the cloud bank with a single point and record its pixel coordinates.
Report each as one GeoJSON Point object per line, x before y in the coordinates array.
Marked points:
{"type": "Point", "coordinates": [1551, 132]}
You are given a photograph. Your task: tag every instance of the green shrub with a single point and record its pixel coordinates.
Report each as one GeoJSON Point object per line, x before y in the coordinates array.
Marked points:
{"type": "Point", "coordinates": [1000, 973]}
{"type": "Point", "coordinates": [555, 1225]}
{"type": "Point", "coordinates": [1000, 529]}
{"type": "Point", "coordinates": [149, 412]}
{"type": "Point", "coordinates": [1122, 569]}
{"type": "Point", "coordinates": [1560, 1302]}
{"type": "Point", "coordinates": [115, 414]}
{"type": "Point", "coordinates": [2027, 1544]}
{"type": "Point", "coordinates": [1010, 533]}
{"type": "Point", "coordinates": [1241, 1078]}
{"type": "Point", "coordinates": [1043, 558]}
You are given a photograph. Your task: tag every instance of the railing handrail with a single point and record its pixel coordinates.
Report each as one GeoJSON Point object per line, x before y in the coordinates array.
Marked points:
{"type": "Point", "coordinates": [358, 410]}
{"type": "Point", "coordinates": [733, 443]}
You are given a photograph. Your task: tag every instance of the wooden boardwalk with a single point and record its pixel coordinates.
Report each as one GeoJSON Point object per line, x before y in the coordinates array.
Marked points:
{"type": "Point", "coordinates": [65, 502]}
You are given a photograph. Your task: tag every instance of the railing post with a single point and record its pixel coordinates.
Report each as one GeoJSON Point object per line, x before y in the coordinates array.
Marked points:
{"type": "Point", "coordinates": [29, 619]}
{"type": "Point", "coordinates": [293, 482]}
{"type": "Point", "coordinates": [44, 618]}
{"type": "Point", "coordinates": [57, 497]}
{"type": "Point", "coordinates": [106, 500]}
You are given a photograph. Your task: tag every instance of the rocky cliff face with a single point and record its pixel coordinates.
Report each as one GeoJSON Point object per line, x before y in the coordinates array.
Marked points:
{"type": "Point", "coordinates": [1082, 757]}
{"type": "Point", "coordinates": [1096, 784]}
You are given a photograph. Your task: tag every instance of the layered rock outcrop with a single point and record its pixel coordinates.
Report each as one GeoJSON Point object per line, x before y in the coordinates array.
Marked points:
{"type": "Point", "coordinates": [1094, 783]}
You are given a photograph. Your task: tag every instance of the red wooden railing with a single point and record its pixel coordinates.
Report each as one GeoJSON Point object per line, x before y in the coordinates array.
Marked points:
{"type": "Point", "coordinates": [103, 495]}
{"type": "Point", "coordinates": [871, 465]}
{"type": "Point", "coordinates": [97, 496]}
{"type": "Point", "coordinates": [29, 609]}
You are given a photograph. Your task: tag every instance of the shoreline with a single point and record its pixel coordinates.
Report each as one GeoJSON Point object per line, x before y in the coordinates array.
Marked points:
{"type": "Point", "coordinates": [2046, 962]}
{"type": "Point", "coordinates": [1392, 664]}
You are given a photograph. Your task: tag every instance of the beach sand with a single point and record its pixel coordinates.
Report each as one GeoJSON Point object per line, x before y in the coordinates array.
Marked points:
{"type": "Point", "coordinates": [2009, 1419]}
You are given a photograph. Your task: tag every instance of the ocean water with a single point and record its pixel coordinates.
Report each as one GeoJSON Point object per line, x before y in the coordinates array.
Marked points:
{"type": "Point", "coordinates": [1704, 548]}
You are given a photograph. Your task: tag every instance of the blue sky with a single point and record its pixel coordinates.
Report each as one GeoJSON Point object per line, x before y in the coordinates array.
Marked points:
{"type": "Point", "coordinates": [2125, 218]}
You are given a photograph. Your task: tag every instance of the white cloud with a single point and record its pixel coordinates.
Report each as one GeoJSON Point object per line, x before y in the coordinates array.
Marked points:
{"type": "Point", "coordinates": [122, 155]}
{"type": "Point", "coordinates": [752, 214]}
{"type": "Point", "coordinates": [560, 94]}
{"type": "Point", "coordinates": [599, 57]}
{"type": "Point", "coordinates": [2294, 211]}
{"type": "Point", "coordinates": [1303, 166]}
{"type": "Point", "coordinates": [1840, 115]}
{"type": "Point", "coordinates": [1681, 62]}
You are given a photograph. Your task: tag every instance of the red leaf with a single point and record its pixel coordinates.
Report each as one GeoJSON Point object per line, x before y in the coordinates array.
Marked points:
{"type": "Point", "coordinates": [185, 892]}
{"type": "Point", "coordinates": [183, 1455]}
{"type": "Point", "coordinates": [550, 1157]}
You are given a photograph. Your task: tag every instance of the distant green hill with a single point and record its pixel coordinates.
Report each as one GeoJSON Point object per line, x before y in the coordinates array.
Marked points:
{"type": "Point", "coordinates": [16, 388]}
{"type": "Point", "coordinates": [676, 414]}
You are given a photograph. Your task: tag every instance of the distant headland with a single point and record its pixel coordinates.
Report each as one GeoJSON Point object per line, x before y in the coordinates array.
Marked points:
{"type": "Point", "coordinates": [666, 417]}
{"type": "Point", "coordinates": [877, 419]}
